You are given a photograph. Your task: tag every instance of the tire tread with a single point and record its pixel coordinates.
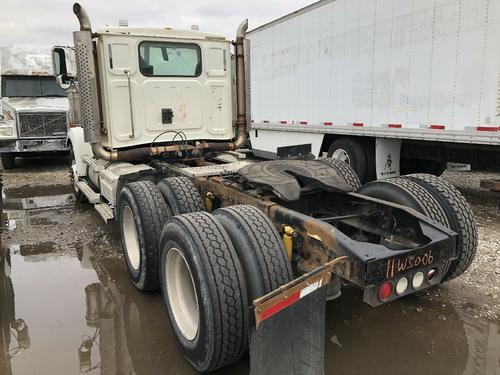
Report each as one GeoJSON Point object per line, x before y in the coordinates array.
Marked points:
{"type": "Point", "coordinates": [345, 171]}
{"type": "Point", "coordinates": [456, 207]}
{"type": "Point", "coordinates": [153, 213]}
{"type": "Point", "coordinates": [226, 273]}
{"type": "Point", "coordinates": [186, 195]}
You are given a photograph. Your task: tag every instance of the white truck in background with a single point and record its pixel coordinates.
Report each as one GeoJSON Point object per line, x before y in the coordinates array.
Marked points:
{"type": "Point", "coordinates": [33, 117]}
{"type": "Point", "coordinates": [390, 86]}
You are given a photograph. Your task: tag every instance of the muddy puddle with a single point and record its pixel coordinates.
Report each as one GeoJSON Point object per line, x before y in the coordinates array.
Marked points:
{"type": "Point", "coordinates": [26, 205]}
{"type": "Point", "coordinates": [67, 309]}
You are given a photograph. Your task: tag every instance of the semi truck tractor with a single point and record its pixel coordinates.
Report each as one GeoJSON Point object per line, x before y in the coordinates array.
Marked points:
{"type": "Point", "coordinates": [391, 87]}
{"type": "Point", "coordinates": [33, 109]}
{"type": "Point", "coordinates": [245, 251]}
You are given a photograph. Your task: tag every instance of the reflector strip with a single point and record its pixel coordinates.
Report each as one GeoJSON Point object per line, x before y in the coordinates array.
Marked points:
{"type": "Point", "coordinates": [395, 126]}
{"type": "Point", "coordinates": [286, 295]}
{"type": "Point", "coordinates": [358, 124]}
{"type": "Point", "coordinates": [328, 123]}
{"type": "Point", "coordinates": [488, 128]}
{"type": "Point", "coordinates": [437, 127]}
{"type": "Point", "coordinates": [280, 306]}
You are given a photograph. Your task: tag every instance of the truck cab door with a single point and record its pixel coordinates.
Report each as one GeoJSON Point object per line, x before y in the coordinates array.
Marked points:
{"type": "Point", "coordinates": [121, 97]}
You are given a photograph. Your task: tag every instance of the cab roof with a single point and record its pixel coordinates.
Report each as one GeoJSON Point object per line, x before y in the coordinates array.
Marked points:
{"type": "Point", "coordinates": [160, 33]}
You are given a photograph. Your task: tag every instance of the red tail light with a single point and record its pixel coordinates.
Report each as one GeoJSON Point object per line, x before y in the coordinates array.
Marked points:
{"type": "Point", "coordinates": [384, 291]}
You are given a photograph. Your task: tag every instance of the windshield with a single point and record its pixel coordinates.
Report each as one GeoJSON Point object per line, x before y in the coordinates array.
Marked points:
{"type": "Point", "coordinates": [30, 86]}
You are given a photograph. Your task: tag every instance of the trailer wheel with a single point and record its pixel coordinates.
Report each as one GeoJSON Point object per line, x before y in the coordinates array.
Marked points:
{"type": "Point", "coordinates": [8, 161]}
{"type": "Point", "coordinates": [204, 290]}
{"type": "Point", "coordinates": [181, 195]}
{"type": "Point", "coordinates": [350, 152]}
{"type": "Point", "coordinates": [407, 191]}
{"type": "Point", "coordinates": [259, 247]}
{"type": "Point", "coordinates": [142, 212]}
{"type": "Point", "coordinates": [460, 219]}
{"type": "Point", "coordinates": [345, 171]}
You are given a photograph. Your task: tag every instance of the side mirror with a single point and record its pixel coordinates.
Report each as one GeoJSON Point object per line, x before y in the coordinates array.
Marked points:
{"type": "Point", "coordinates": [63, 65]}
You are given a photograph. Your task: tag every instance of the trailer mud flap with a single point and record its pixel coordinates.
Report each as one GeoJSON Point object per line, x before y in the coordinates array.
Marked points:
{"type": "Point", "coordinates": [292, 341]}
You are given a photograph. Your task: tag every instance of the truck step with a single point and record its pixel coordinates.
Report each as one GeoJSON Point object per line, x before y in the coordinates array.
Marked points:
{"type": "Point", "coordinates": [91, 195]}
{"type": "Point", "coordinates": [105, 211]}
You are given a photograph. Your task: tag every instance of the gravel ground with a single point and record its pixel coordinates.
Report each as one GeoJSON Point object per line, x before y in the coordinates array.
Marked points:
{"type": "Point", "coordinates": [37, 172]}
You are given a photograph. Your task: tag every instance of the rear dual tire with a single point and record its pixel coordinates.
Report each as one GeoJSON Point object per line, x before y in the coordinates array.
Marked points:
{"type": "Point", "coordinates": [344, 171]}
{"type": "Point", "coordinates": [259, 247]}
{"type": "Point", "coordinates": [143, 209]}
{"type": "Point", "coordinates": [217, 265]}
{"type": "Point", "coordinates": [142, 213]}
{"type": "Point", "coordinates": [200, 271]}
{"type": "Point", "coordinates": [441, 202]}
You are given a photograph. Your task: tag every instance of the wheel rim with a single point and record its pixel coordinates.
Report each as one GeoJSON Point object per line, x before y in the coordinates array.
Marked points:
{"type": "Point", "coordinates": [131, 238]}
{"type": "Point", "coordinates": [341, 155]}
{"type": "Point", "coordinates": [181, 294]}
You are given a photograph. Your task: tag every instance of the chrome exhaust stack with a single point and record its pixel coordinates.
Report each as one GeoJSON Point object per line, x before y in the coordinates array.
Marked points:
{"type": "Point", "coordinates": [241, 121]}
{"type": "Point", "coordinates": [87, 78]}
{"type": "Point", "coordinates": [83, 17]}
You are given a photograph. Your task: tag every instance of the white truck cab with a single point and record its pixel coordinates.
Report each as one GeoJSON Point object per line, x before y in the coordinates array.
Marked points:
{"type": "Point", "coordinates": [34, 108]}
{"type": "Point", "coordinates": [153, 82]}
{"type": "Point", "coordinates": [160, 85]}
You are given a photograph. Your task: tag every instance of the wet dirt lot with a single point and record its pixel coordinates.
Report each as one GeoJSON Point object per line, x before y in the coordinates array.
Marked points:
{"type": "Point", "coordinates": [68, 307]}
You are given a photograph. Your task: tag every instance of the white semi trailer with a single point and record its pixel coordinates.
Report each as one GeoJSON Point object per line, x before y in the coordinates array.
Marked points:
{"type": "Point", "coordinates": [390, 86]}
{"type": "Point", "coordinates": [241, 247]}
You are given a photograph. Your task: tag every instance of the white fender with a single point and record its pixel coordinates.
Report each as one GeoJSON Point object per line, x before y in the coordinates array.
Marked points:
{"type": "Point", "coordinates": [80, 148]}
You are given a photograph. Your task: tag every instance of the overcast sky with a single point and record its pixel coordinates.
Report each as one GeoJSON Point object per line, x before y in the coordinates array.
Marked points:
{"type": "Point", "coordinates": [51, 22]}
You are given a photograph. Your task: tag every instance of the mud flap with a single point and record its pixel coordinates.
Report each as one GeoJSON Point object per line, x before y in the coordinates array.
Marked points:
{"type": "Point", "coordinates": [292, 341]}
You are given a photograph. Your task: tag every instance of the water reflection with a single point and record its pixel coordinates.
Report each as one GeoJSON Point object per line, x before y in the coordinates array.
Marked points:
{"type": "Point", "coordinates": [14, 333]}
{"type": "Point", "coordinates": [18, 211]}
{"type": "Point", "coordinates": [127, 331]}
